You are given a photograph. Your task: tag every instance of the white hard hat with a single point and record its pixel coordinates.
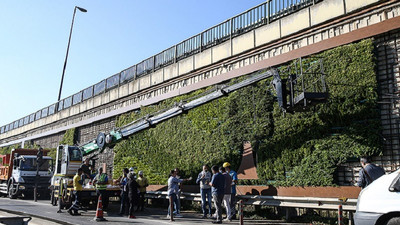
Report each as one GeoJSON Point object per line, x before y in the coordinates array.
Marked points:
{"type": "Point", "coordinates": [131, 169]}
{"type": "Point", "coordinates": [140, 172]}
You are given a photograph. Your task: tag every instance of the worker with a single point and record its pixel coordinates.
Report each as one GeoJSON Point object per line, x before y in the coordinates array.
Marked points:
{"type": "Point", "coordinates": [86, 169]}
{"type": "Point", "coordinates": [234, 177]}
{"type": "Point", "coordinates": [369, 172]}
{"type": "Point", "coordinates": [204, 179]}
{"type": "Point", "coordinates": [143, 183]}
{"type": "Point", "coordinates": [77, 182]}
{"type": "Point", "coordinates": [177, 203]}
{"type": "Point", "coordinates": [173, 189]}
{"type": "Point", "coordinates": [218, 188]}
{"type": "Point", "coordinates": [133, 194]}
{"type": "Point", "coordinates": [124, 192]}
{"type": "Point", "coordinates": [227, 193]}
{"type": "Point", "coordinates": [100, 181]}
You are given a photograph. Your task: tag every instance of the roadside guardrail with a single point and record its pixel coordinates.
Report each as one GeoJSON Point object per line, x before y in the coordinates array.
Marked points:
{"type": "Point", "coordinates": [278, 201]}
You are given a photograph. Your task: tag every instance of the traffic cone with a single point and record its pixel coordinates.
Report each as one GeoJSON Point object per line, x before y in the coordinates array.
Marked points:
{"type": "Point", "coordinates": [99, 211]}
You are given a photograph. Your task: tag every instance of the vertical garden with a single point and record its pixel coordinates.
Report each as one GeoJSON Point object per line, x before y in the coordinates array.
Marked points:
{"type": "Point", "coordinates": [302, 148]}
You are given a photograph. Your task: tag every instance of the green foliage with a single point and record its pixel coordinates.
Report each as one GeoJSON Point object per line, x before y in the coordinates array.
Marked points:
{"type": "Point", "coordinates": [69, 137]}
{"type": "Point", "coordinates": [7, 149]}
{"type": "Point", "coordinates": [306, 148]}
{"type": "Point", "coordinates": [210, 134]}
{"type": "Point", "coordinates": [28, 145]}
{"type": "Point", "coordinates": [295, 149]}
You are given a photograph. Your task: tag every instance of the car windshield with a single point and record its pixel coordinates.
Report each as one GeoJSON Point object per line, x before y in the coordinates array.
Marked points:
{"type": "Point", "coordinates": [30, 164]}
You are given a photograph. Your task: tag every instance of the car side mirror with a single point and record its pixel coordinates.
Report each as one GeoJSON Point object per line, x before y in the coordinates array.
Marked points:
{"type": "Point", "coordinates": [16, 162]}
{"type": "Point", "coordinates": [395, 185]}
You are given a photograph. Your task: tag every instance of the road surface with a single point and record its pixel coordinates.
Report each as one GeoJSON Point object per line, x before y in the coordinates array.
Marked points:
{"type": "Point", "coordinates": [42, 211]}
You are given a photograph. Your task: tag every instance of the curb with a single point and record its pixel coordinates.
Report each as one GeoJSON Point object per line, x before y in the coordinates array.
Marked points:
{"type": "Point", "coordinates": [36, 216]}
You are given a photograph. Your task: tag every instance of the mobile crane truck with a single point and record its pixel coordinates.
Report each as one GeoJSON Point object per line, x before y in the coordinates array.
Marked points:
{"type": "Point", "coordinates": [18, 172]}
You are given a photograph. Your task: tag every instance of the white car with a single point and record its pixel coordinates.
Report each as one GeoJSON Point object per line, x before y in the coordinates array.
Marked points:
{"type": "Point", "coordinates": [379, 202]}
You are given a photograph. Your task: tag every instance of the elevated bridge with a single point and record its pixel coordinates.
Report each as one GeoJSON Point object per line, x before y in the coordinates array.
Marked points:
{"type": "Point", "coordinates": [270, 34]}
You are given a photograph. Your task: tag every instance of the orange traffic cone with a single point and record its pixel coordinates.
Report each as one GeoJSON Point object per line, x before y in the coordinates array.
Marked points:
{"type": "Point", "coordinates": [99, 211]}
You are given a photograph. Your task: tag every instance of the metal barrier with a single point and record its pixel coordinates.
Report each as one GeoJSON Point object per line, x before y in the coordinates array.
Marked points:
{"type": "Point", "coordinates": [278, 201]}
{"type": "Point", "coordinates": [255, 17]}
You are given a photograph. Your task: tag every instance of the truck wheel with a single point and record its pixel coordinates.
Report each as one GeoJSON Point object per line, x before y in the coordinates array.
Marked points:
{"type": "Point", "coordinates": [64, 199]}
{"type": "Point", "coordinates": [393, 221]}
{"type": "Point", "coordinates": [12, 190]}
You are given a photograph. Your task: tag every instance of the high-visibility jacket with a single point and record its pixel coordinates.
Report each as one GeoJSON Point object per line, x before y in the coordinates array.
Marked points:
{"type": "Point", "coordinates": [102, 180]}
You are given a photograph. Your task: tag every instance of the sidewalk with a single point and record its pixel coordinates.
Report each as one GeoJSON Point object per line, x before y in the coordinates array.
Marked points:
{"type": "Point", "coordinates": [34, 221]}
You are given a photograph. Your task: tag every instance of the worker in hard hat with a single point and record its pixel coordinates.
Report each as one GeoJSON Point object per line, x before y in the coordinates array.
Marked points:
{"type": "Point", "coordinates": [234, 177]}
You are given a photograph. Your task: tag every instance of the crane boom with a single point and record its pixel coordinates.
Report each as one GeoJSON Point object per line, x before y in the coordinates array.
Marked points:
{"type": "Point", "coordinates": [110, 139]}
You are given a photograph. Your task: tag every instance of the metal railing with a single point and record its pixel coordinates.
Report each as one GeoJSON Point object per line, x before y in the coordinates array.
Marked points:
{"type": "Point", "coordinates": [278, 201]}
{"type": "Point", "coordinates": [255, 17]}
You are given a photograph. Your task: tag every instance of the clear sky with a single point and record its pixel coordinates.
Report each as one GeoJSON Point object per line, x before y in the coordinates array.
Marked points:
{"type": "Point", "coordinates": [113, 35]}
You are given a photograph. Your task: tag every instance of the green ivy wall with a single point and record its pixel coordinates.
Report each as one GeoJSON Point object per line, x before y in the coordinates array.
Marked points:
{"type": "Point", "coordinates": [293, 149]}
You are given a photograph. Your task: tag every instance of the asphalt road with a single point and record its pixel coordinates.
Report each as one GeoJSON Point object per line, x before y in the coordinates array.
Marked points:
{"type": "Point", "coordinates": [43, 211]}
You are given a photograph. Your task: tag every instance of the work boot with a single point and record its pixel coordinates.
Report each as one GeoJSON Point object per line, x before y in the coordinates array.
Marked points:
{"type": "Point", "coordinates": [70, 212]}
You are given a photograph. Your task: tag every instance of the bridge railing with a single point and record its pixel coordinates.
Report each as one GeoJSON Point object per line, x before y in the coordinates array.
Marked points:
{"type": "Point", "coordinates": [255, 17]}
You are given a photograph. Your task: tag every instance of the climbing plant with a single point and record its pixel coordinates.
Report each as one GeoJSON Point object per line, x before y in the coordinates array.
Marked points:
{"type": "Point", "coordinates": [69, 137]}
{"type": "Point", "coordinates": [303, 148]}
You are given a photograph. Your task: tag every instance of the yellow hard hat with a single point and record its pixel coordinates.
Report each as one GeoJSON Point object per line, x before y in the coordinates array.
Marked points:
{"type": "Point", "coordinates": [226, 164]}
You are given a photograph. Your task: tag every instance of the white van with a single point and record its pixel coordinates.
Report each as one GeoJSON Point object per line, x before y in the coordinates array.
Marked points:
{"type": "Point", "coordinates": [379, 202]}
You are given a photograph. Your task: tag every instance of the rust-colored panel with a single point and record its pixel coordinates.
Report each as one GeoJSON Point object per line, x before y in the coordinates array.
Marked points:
{"type": "Point", "coordinates": [325, 192]}
{"type": "Point", "coordinates": [247, 169]}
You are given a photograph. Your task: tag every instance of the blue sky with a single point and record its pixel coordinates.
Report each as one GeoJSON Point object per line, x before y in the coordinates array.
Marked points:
{"type": "Point", "coordinates": [111, 36]}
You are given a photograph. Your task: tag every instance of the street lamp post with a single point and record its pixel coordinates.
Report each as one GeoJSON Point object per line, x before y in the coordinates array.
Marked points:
{"type": "Point", "coordinates": [66, 56]}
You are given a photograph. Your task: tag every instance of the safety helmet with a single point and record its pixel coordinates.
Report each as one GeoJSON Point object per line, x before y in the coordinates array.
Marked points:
{"type": "Point", "coordinates": [140, 172]}
{"type": "Point", "coordinates": [131, 169]}
{"type": "Point", "coordinates": [226, 164]}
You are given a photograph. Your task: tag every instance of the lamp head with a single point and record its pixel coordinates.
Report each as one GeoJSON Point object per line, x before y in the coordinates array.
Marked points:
{"type": "Point", "coordinates": [81, 9]}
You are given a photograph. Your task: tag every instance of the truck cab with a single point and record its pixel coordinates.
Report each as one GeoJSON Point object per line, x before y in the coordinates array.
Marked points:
{"type": "Point", "coordinates": [20, 171]}
{"type": "Point", "coordinates": [24, 175]}
{"type": "Point", "coordinates": [378, 203]}
{"type": "Point", "coordinates": [68, 161]}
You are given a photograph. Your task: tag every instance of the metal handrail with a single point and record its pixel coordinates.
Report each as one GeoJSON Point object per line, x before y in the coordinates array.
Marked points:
{"type": "Point", "coordinates": [257, 16]}
{"type": "Point", "coordinates": [282, 201]}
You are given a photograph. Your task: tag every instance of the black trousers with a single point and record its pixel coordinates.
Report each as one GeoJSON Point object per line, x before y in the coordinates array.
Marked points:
{"type": "Point", "coordinates": [141, 200]}
{"type": "Point", "coordinates": [104, 198]}
{"type": "Point", "coordinates": [132, 204]}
